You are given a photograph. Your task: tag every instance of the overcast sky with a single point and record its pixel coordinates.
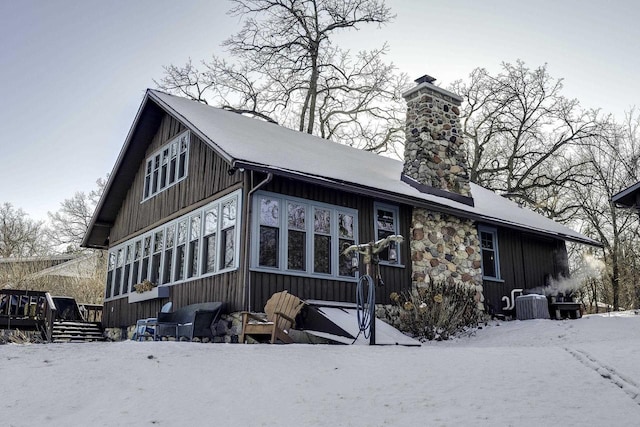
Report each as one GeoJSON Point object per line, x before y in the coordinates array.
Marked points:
{"type": "Point", "coordinates": [73, 73]}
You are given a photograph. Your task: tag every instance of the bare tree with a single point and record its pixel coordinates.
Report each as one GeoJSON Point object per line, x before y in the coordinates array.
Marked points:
{"type": "Point", "coordinates": [287, 68]}
{"type": "Point", "coordinates": [70, 223]}
{"type": "Point", "coordinates": [19, 235]}
{"type": "Point", "coordinates": [613, 162]}
{"type": "Point", "coordinates": [82, 278]}
{"type": "Point", "coordinates": [521, 134]}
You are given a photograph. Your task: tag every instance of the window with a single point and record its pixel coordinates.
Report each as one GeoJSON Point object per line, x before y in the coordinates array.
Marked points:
{"type": "Point", "coordinates": [181, 251]}
{"type": "Point", "coordinates": [346, 238]}
{"type": "Point", "coordinates": [170, 242]}
{"type": "Point", "coordinates": [322, 241]}
{"type": "Point", "coordinates": [146, 253]}
{"type": "Point", "coordinates": [209, 244]}
{"type": "Point", "coordinates": [126, 278]}
{"type": "Point", "coordinates": [387, 224]}
{"type": "Point", "coordinates": [137, 254]}
{"type": "Point", "coordinates": [111, 264]}
{"type": "Point", "coordinates": [192, 246]}
{"type": "Point", "coordinates": [296, 237]}
{"type": "Point", "coordinates": [228, 234]}
{"type": "Point", "coordinates": [117, 282]}
{"type": "Point", "coordinates": [166, 166]}
{"type": "Point", "coordinates": [301, 237]}
{"type": "Point", "coordinates": [156, 257]}
{"type": "Point", "coordinates": [269, 232]}
{"type": "Point", "coordinates": [489, 247]}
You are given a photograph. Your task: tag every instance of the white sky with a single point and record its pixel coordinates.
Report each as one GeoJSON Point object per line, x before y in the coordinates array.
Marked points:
{"type": "Point", "coordinates": [73, 73]}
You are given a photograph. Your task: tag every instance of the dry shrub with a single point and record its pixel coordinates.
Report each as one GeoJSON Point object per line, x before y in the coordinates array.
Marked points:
{"type": "Point", "coordinates": [19, 337]}
{"type": "Point", "coordinates": [437, 311]}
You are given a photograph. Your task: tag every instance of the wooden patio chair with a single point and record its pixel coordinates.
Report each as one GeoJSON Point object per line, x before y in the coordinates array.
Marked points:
{"type": "Point", "coordinates": [281, 311]}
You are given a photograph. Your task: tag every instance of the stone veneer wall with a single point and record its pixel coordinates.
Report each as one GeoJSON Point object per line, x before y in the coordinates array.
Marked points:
{"type": "Point", "coordinates": [445, 248]}
{"type": "Point", "coordinates": [434, 149]}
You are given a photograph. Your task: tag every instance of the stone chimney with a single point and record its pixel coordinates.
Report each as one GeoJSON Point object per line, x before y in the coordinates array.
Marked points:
{"type": "Point", "coordinates": [435, 159]}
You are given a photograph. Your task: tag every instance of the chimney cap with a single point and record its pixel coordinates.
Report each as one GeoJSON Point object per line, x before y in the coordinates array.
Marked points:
{"type": "Point", "coordinates": [425, 79]}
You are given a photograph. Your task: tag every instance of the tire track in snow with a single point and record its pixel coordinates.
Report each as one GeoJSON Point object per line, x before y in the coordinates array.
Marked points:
{"type": "Point", "coordinates": [630, 387]}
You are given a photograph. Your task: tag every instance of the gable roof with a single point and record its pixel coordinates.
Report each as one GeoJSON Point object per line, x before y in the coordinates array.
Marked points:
{"type": "Point", "coordinates": [257, 145]}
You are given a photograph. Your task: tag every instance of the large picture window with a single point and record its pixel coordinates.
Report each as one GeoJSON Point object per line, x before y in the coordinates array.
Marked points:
{"type": "Point", "coordinates": [301, 237]}
{"type": "Point", "coordinates": [489, 248]}
{"type": "Point", "coordinates": [167, 166]}
{"type": "Point", "coordinates": [192, 246]}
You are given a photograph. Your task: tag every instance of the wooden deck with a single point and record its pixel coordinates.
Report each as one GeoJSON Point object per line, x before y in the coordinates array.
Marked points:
{"type": "Point", "coordinates": [36, 311]}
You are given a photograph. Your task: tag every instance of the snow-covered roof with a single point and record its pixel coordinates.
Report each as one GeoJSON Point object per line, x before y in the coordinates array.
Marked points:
{"type": "Point", "coordinates": [627, 197]}
{"type": "Point", "coordinates": [259, 145]}
{"type": "Point", "coordinates": [252, 143]}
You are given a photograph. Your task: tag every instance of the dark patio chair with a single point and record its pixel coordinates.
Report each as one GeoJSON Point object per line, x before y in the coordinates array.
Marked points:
{"type": "Point", "coordinates": [149, 325]}
{"type": "Point", "coordinates": [191, 321]}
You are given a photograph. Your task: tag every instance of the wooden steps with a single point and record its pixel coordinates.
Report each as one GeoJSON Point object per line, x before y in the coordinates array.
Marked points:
{"type": "Point", "coordinates": [69, 331]}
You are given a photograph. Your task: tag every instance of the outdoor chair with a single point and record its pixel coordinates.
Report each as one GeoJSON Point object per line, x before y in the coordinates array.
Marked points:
{"type": "Point", "coordinates": [149, 325]}
{"type": "Point", "coordinates": [281, 311]}
{"type": "Point", "coordinates": [191, 321]}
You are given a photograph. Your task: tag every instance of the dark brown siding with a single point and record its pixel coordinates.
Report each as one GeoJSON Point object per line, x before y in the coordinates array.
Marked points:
{"type": "Point", "coordinates": [221, 287]}
{"type": "Point", "coordinates": [263, 285]}
{"type": "Point", "coordinates": [206, 176]}
{"type": "Point", "coordinates": [526, 261]}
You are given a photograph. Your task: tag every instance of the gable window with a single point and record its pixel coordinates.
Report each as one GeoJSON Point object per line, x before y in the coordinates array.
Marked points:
{"type": "Point", "coordinates": [192, 246]}
{"type": "Point", "coordinates": [489, 249]}
{"type": "Point", "coordinates": [167, 166]}
{"type": "Point", "coordinates": [387, 224]}
{"type": "Point", "coordinates": [301, 237]}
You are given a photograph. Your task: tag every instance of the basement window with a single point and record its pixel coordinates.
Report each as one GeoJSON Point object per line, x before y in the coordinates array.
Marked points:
{"type": "Point", "coordinates": [489, 249]}
{"type": "Point", "coordinates": [166, 166]}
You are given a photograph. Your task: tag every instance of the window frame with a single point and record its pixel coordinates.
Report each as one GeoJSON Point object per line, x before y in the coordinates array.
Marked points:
{"type": "Point", "coordinates": [158, 166]}
{"type": "Point", "coordinates": [189, 250]}
{"type": "Point", "coordinates": [396, 230]}
{"type": "Point", "coordinates": [493, 231]}
{"type": "Point", "coordinates": [283, 228]}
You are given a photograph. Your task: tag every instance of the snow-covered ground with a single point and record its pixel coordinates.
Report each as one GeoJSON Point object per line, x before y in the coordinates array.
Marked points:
{"type": "Point", "coordinates": [519, 373]}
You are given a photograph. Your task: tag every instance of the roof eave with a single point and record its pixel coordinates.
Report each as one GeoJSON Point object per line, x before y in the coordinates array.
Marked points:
{"type": "Point", "coordinates": [407, 200]}
{"type": "Point", "coordinates": [86, 241]}
{"type": "Point", "coordinates": [627, 197]}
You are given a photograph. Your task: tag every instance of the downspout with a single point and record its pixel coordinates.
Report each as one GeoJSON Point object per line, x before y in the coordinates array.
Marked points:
{"type": "Point", "coordinates": [248, 211]}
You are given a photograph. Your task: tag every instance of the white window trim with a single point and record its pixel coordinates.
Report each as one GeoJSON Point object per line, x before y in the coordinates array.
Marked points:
{"type": "Point", "coordinates": [158, 152]}
{"type": "Point", "coordinates": [309, 241]}
{"type": "Point", "coordinates": [396, 226]}
{"type": "Point", "coordinates": [494, 233]}
{"type": "Point", "coordinates": [236, 195]}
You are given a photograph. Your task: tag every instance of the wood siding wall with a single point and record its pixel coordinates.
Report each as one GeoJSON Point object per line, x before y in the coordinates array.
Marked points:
{"type": "Point", "coordinates": [525, 262]}
{"type": "Point", "coordinates": [207, 179]}
{"type": "Point", "coordinates": [396, 279]}
{"type": "Point", "coordinates": [206, 176]}
{"type": "Point", "coordinates": [222, 287]}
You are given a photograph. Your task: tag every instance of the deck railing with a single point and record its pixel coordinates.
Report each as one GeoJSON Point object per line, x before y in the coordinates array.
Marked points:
{"type": "Point", "coordinates": [36, 310]}
{"type": "Point", "coordinates": [91, 312]}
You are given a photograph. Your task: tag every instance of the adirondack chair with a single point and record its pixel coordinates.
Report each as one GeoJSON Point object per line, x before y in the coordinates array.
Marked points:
{"type": "Point", "coordinates": [281, 311]}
